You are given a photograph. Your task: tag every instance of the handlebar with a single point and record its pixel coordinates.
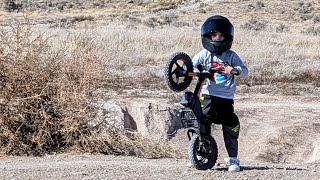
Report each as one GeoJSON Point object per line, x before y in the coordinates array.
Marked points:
{"type": "Point", "coordinates": [207, 73]}
{"type": "Point", "coordinates": [203, 74]}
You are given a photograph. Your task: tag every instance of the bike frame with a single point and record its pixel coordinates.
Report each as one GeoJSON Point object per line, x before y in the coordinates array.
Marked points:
{"type": "Point", "coordinates": [192, 116]}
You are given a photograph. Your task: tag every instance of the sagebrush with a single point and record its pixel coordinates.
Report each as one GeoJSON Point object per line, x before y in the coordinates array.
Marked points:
{"type": "Point", "coordinates": [46, 96]}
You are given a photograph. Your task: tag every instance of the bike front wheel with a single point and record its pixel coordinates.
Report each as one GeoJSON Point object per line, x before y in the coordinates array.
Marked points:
{"type": "Point", "coordinates": [202, 152]}
{"type": "Point", "coordinates": [176, 71]}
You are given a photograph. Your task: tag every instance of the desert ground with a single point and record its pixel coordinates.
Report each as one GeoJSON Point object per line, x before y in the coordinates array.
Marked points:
{"type": "Point", "coordinates": [278, 105]}
{"type": "Point", "coordinates": [277, 141]}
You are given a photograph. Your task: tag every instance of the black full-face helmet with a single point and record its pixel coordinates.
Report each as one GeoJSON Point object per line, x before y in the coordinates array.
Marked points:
{"type": "Point", "coordinates": [217, 24]}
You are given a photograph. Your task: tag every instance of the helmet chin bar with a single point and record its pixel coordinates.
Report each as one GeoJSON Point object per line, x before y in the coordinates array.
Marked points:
{"type": "Point", "coordinates": [216, 47]}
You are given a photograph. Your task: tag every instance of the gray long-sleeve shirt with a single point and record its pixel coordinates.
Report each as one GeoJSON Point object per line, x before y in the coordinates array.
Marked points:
{"type": "Point", "coordinates": [221, 84]}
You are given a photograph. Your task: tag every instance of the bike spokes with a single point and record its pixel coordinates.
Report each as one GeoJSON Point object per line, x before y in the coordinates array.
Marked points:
{"type": "Point", "coordinates": [202, 154]}
{"type": "Point", "coordinates": [176, 71]}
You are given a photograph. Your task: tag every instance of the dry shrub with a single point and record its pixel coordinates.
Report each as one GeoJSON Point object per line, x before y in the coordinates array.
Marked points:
{"type": "Point", "coordinates": [167, 19]}
{"type": "Point", "coordinates": [130, 144]}
{"type": "Point", "coordinates": [312, 30]}
{"type": "Point", "coordinates": [254, 24]}
{"type": "Point", "coordinates": [316, 18]}
{"type": "Point", "coordinates": [27, 94]}
{"type": "Point", "coordinates": [46, 95]}
{"type": "Point", "coordinates": [282, 28]}
{"type": "Point", "coordinates": [151, 22]}
{"type": "Point", "coordinates": [10, 5]}
{"type": "Point", "coordinates": [306, 10]}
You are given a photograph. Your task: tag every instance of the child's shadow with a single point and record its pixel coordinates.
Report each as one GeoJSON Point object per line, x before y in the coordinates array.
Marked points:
{"type": "Point", "coordinates": [248, 168]}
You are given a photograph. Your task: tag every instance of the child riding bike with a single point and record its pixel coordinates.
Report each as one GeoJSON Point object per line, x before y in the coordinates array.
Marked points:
{"type": "Point", "coordinates": [218, 92]}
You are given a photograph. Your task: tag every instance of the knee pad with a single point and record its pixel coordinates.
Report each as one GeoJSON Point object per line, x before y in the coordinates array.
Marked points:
{"type": "Point", "coordinates": [232, 132]}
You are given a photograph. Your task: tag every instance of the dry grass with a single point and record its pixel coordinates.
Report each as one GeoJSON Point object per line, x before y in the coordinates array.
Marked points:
{"type": "Point", "coordinates": [279, 57]}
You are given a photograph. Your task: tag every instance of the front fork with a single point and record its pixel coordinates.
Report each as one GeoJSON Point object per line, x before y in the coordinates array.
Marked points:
{"type": "Point", "coordinates": [192, 123]}
{"type": "Point", "coordinates": [204, 142]}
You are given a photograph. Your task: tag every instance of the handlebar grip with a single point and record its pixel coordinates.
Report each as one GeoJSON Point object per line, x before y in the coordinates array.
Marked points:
{"type": "Point", "coordinates": [235, 71]}
{"type": "Point", "coordinates": [226, 64]}
{"type": "Point", "coordinates": [200, 67]}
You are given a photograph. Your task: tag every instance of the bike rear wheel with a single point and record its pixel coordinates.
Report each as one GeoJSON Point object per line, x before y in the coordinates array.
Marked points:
{"type": "Point", "coordinates": [203, 153]}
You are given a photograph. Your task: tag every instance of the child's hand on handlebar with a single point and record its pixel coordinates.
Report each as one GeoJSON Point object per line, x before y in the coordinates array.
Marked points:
{"type": "Point", "coordinates": [228, 69]}
{"type": "Point", "coordinates": [231, 70]}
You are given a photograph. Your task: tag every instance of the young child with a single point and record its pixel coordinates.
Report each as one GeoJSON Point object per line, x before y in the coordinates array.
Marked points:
{"type": "Point", "coordinates": [217, 93]}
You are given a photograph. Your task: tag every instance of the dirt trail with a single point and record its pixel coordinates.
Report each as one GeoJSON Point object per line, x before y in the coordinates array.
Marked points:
{"type": "Point", "coordinates": [111, 167]}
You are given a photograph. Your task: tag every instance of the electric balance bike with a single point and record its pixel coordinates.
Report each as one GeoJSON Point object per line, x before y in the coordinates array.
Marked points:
{"type": "Point", "coordinates": [202, 149]}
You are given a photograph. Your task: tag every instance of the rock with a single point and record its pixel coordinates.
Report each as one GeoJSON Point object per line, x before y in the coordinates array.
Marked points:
{"type": "Point", "coordinates": [316, 151]}
{"type": "Point", "coordinates": [150, 117]}
{"type": "Point", "coordinates": [109, 114]}
{"type": "Point", "coordinates": [153, 117]}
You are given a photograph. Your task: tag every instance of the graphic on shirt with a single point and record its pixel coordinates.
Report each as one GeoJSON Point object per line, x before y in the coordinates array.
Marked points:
{"type": "Point", "coordinates": [219, 77]}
